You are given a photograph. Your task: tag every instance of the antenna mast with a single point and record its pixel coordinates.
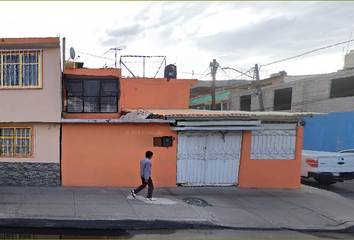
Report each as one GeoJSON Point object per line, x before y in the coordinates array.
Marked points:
{"type": "Point", "coordinates": [115, 53]}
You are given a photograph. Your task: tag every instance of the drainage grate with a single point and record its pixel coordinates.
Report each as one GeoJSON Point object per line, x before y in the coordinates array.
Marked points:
{"type": "Point", "coordinates": [197, 202]}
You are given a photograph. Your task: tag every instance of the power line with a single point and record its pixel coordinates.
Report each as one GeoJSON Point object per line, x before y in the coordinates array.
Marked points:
{"type": "Point", "coordinates": [92, 55]}
{"type": "Point", "coordinates": [242, 73]}
{"type": "Point", "coordinates": [223, 70]}
{"type": "Point", "coordinates": [302, 54]}
{"type": "Point", "coordinates": [241, 69]}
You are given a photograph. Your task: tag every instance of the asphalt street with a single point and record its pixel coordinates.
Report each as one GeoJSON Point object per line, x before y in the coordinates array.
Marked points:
{"type": "Point", "coordinates": [345, 189]}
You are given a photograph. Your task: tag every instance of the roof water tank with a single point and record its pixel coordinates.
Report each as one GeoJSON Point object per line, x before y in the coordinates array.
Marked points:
{"type": "Point", "coordinates": [349, 60]}
{"type": "Point", "coordinates": [171, 71]}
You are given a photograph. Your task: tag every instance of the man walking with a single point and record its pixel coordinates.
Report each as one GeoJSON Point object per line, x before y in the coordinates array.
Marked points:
{"type": "Point", "coordinates": [145, 174]}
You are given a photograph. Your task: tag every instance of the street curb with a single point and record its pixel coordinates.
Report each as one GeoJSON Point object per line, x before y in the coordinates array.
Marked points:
{"type": "Point", "coordinates": [147, 225]}
{"type": "Point", "coordinates": [105, 224]}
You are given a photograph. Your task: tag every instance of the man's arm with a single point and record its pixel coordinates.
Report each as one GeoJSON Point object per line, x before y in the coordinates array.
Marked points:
{"type": "Point", "coordinates": [147, 170]}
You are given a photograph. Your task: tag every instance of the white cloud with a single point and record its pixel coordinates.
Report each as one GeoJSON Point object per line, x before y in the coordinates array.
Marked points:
{"type": "Point", "coordinates": [191, 34]}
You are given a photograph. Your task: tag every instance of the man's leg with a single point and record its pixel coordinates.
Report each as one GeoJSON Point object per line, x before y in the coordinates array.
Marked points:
{"type": "Point", "coordinates": [151, 188]}
{"type": "Point", "coordinates": [141, 187]}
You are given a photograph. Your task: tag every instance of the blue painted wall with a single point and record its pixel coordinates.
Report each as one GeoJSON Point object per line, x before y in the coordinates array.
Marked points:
{"type": "Point", "coordinates": [333, 132]}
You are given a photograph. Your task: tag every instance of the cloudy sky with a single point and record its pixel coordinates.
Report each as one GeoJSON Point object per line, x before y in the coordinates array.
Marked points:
{"type": "Point", "coordinates": [191, 34]}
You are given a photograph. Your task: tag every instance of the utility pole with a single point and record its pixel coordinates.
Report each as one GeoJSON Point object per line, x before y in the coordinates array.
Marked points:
{"type": "Point", "coordinates": [260, 94]}
{"type": "Point", "coordinates": [213, 66]}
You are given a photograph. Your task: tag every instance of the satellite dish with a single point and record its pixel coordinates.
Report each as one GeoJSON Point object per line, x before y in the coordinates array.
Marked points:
{"type": "Point", "coordinates": [72, 53]}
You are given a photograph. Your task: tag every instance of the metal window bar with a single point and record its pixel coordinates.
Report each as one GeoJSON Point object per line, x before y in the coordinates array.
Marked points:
{"type": "Point", "coordinates": [91, 99]}
{"type": "Point", "coordinates": [273, 144]}
{"type": "Point", "coordinates": [15, 141]}
{"type": "Point", "coordinates": [20, 68]}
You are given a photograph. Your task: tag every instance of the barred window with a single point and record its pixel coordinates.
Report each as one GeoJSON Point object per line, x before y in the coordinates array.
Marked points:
{"type": "Point", "coordinates": [92, 96]}
{"type": "Point", "coordinates": [20, 69]}
{"type": "Point", "coordinates": [15, 141]}
{"type": "Point", "coordinates": [273, 144]}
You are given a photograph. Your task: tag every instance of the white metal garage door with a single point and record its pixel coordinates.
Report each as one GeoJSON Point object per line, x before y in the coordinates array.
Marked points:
{"type": "Point", "coordinates": [208, 157]}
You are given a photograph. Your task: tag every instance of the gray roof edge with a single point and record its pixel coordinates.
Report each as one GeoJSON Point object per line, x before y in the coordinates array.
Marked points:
{"type": "Point", "coordinates": [116, 121]}
{"type": "Point", "coordinates": [29, 45]}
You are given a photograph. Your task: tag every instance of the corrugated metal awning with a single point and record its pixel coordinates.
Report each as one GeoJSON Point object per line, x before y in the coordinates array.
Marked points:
{"type": "Point", "coordinates": [207, 115]}
{"type": "Point", "coordinates": [216, 128]}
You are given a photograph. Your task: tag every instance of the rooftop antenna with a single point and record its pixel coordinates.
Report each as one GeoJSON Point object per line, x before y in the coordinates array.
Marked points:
{"type": "Point", "coordinates": [115, 53]}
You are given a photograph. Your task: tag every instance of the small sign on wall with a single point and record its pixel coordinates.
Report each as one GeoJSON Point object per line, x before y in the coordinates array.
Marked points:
{"type": "Point", "coordinates": [165, 141]}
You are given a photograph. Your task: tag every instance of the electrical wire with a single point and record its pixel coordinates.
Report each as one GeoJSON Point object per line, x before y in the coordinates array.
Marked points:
{"type": "Point", "coordinates": [92, 55]}
{"type": "Point", "coordinates": [302, 54]}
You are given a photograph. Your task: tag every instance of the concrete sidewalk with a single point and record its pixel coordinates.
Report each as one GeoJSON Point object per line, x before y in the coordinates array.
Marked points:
{"type": "Point", "coordinates": [114, 208]}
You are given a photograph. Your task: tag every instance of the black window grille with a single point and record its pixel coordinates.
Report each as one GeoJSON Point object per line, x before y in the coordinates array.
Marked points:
{"type": "Point", "coordinates": [92, 96]}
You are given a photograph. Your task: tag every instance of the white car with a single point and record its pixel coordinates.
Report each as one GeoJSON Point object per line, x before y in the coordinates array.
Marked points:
{"type": "Point", "coordinates": [328, 167]}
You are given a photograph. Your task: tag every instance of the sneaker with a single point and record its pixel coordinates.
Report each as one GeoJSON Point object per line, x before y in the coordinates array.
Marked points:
{"type": "Point", "coordinates": [133, 194]}
{"type": "Point", "coordinates": [151, 199]}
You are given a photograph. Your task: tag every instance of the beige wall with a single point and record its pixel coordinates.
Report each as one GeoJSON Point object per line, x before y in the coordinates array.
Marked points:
{"type": "Point", "coordinates": [36, 105]}
{"type": "Point", "coordinates": [45, 143]}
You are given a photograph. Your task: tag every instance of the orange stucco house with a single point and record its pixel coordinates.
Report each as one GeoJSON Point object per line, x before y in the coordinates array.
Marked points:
{"type": "Point", "coordinates": [109, 122]}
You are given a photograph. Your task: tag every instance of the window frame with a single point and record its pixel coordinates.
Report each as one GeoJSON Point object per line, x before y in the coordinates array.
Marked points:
{"type": "Point", "coordinates": [21, 53]}
{"type": "Point", "coordinates": [15, 138]}
{"type": "Point", "coordinates": [246, 98]}
{"type": "Point", "coordinates": [100, 97]}
{"type": "Point", "coordinates": [283, 106]}
{"type": "Point", "coordinates": [339, 88]}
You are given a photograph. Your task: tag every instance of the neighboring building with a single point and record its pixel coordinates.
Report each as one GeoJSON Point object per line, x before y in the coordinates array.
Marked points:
{"type": "Point", "coordinates": [205, 87]}
{"type": "Point", "coordinates": [222, 101]}
{"type": "Point", "coordinates": [30, 85]}
{"type": "Point", "coordinates": [201, 92]}
{"type": "Point", "coordinates": [332, 92]}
